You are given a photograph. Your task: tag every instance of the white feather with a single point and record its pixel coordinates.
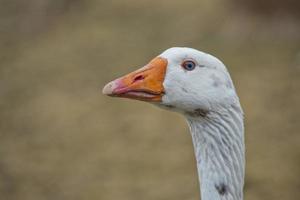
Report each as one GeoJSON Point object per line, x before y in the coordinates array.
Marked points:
{"type": "Point", "coordinates": [217, 132]}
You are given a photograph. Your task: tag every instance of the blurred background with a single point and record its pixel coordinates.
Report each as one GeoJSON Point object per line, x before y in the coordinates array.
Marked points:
{"type": "Point", "coordinates": [60, 138]}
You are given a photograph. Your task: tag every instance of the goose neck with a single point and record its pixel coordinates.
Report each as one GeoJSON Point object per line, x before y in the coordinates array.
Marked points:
{"type": "Point", "coordinates": [218, 139]}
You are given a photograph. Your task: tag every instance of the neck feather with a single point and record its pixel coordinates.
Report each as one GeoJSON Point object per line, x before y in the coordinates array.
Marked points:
{"type": "Point", "coordinates": [218, 139]}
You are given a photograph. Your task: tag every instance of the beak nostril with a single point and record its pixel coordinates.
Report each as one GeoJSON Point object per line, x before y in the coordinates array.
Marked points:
{"type": "Point", "coordinates": [138, 78]}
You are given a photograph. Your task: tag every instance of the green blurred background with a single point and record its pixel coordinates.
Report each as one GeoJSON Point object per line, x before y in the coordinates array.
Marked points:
{"type": "Point", "coordinates": [61, 139]}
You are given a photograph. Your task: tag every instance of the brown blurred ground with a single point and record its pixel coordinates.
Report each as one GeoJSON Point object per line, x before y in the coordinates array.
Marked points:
{"type": "Point", "coordinates": [60, 138]}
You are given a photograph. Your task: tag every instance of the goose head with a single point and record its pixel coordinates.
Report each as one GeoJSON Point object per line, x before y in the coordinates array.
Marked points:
{"type": "Point", "coordinates": [198, 86]}
{"type": "Point", "coordinates": [180, 79]}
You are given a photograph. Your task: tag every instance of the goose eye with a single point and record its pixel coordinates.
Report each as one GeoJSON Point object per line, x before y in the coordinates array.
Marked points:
{"type": "Point", "coordinates": [188, 65]}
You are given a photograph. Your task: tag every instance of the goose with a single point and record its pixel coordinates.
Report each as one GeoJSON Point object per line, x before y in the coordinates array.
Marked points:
{"type": "Point", "coordinates": [198, 86]}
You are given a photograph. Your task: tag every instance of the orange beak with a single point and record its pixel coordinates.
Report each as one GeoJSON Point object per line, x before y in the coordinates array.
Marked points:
{"type": "Point", "coordinates": [145, 84]}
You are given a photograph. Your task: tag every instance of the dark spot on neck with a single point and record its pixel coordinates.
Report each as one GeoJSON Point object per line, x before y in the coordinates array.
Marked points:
{"type": "Point", "coordinates": [198, 113]}
{"type": "Point", "coordinates": [170, 106]}
{"type": "Point", "coordinates": [184, 90]}
{"type": "Point", "coordinates": [222, 188]}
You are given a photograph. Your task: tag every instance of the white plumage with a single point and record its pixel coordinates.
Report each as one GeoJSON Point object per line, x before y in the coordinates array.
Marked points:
{"type": "Point", "coordinates": [198, 86]}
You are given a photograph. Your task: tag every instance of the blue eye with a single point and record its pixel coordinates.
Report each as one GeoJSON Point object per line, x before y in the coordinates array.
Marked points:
{"type": "Point", "coordinates": [188, 65]}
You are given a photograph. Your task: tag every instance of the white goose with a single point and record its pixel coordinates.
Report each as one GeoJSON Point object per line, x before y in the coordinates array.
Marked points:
{"type": "Point", "coordinates": [198, 86]}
